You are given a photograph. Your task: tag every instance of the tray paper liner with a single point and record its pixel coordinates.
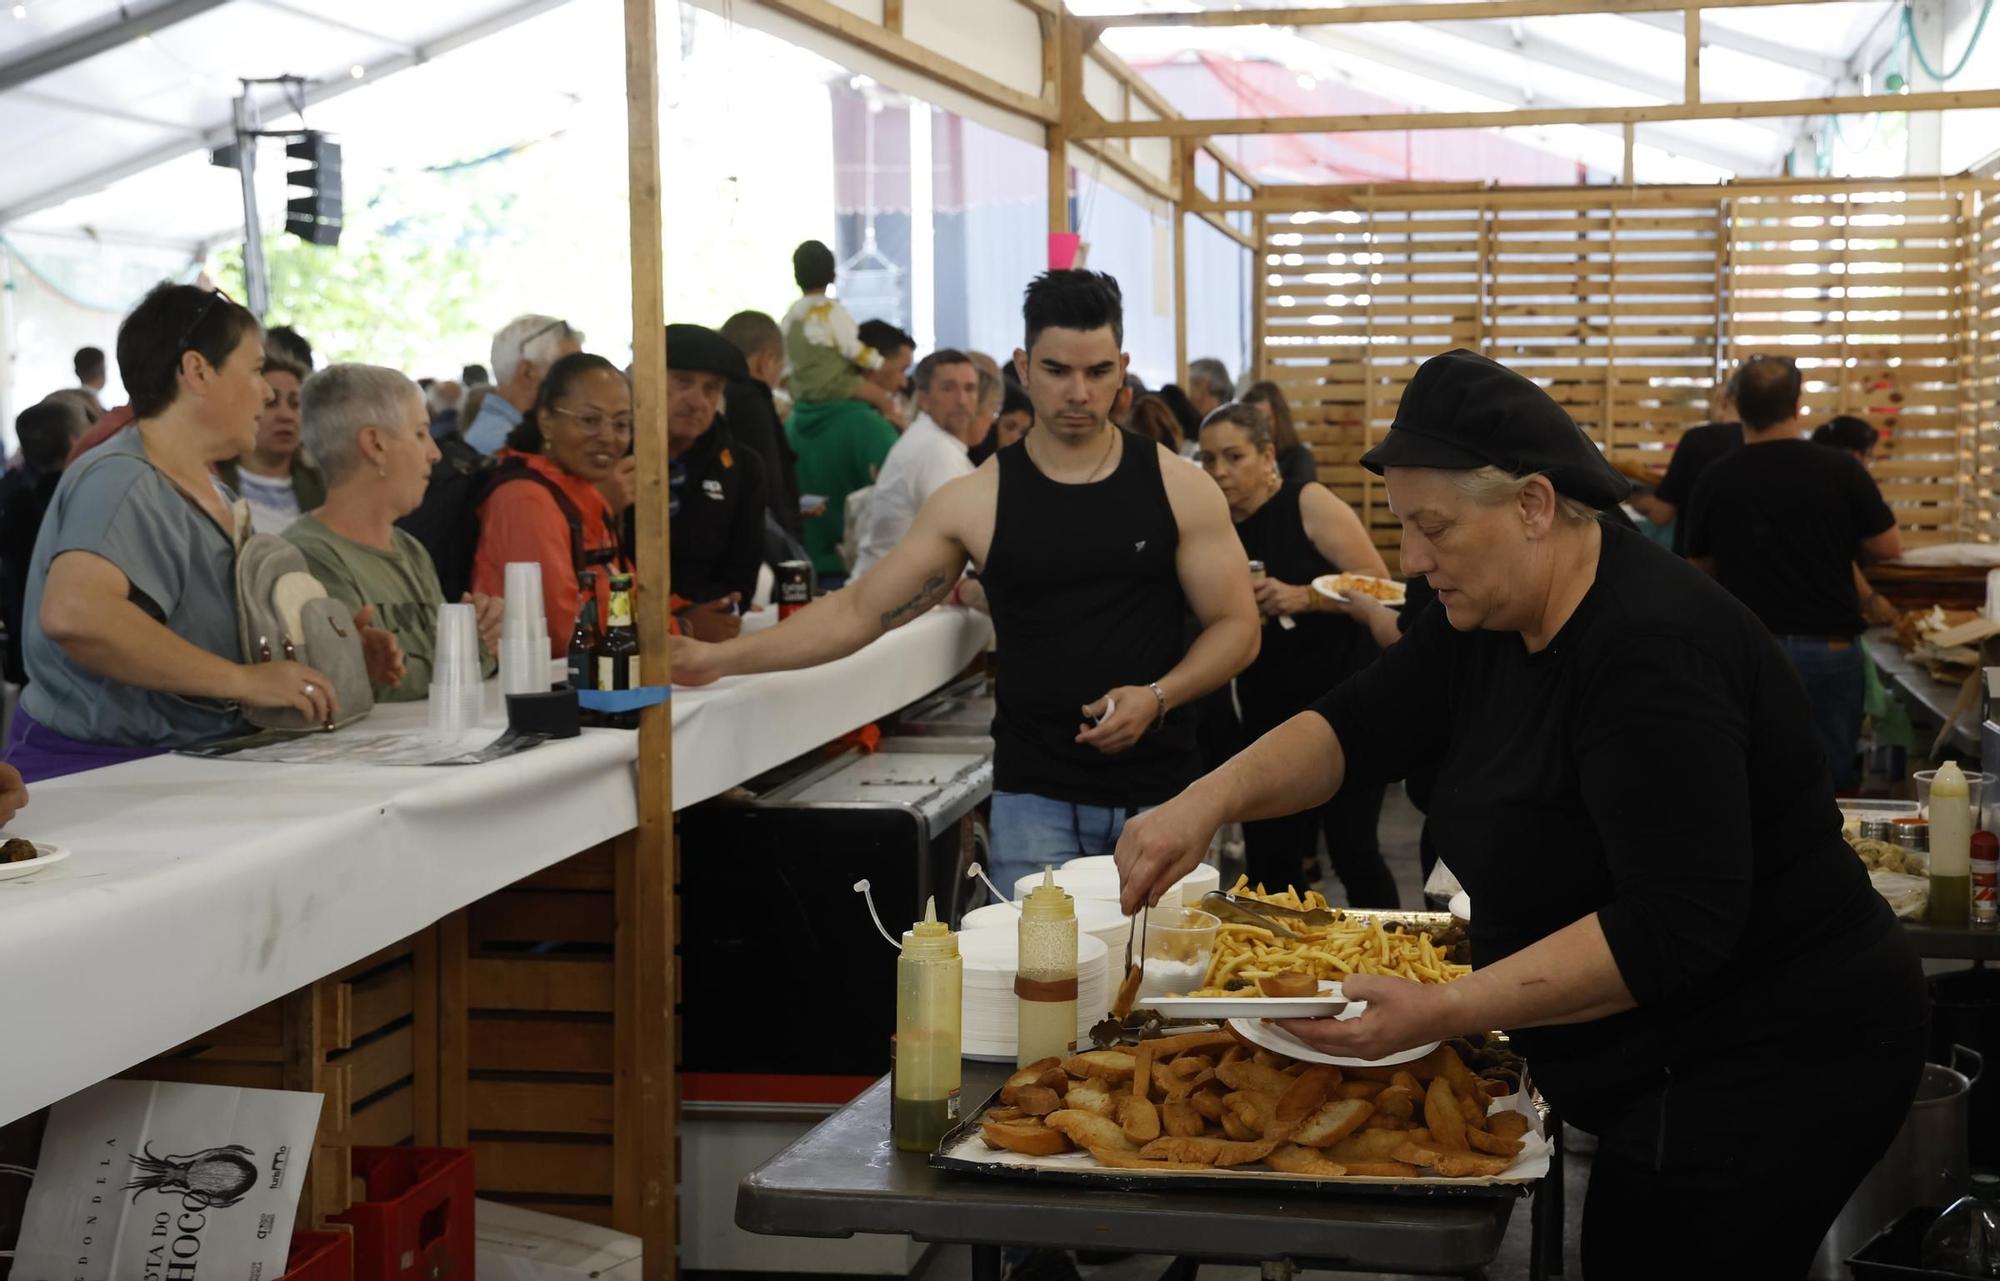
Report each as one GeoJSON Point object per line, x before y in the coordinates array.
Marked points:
{"type": "Point", "coordinates": [1530, 1165]}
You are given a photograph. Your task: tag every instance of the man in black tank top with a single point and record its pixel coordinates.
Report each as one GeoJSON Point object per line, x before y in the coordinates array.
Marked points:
{"type": "Point", "coordinates": [1092, 545]}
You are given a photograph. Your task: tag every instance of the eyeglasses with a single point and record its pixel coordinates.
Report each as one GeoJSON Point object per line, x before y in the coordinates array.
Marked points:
{"type": "Point", "coordinates": [595, 423]}
{"type": "Point", "coordinates": [187, 337]}
{"type": "Point", "coordinates": [550, 328]}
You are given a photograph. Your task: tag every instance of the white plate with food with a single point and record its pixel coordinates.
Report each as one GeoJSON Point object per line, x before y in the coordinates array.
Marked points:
{"type": "Point", "coordinates": [46, 856]}
{"type": "Point", "coordinates": [1282, 1000]}
{"type": "Point", "coordinates": [1340, 586]}
{"type": "Point", "coordinates": [1461, 906]}
{"type": "Point", "coordinates": [1277, 1040]}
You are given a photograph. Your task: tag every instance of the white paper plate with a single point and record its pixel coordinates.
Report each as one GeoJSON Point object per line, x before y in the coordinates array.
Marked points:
{"type": "Point", "coordinates": [1326, 1005]}
{"type": "Point", "coordinates": [1277, 1040]}
{"type": "Point", "coordinates": [1335, 586]}
{"type": "Point", "coordinates": [50, 855]}
{"type": "Point", "coordinates": [1461, 906]}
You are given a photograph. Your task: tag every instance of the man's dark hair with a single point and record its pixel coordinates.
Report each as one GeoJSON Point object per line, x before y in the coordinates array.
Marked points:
{"type": "Point", "coordinates": [813, 266]}
{"type": "Point", "coordinates": [474, 376]}
{"type": "Point", "coordinates": [1844, 431]}
{"type": "Point", "coordinates": [886, 338]}
{"type": "Point", "coordinates": [427, 383]}
{"type": "Point", "coordinates": [89, 363]}
{"type": "Point", "coordinates": [45, 432]}
{"type": "Point", "coordinates": [283, 340]}
{"type": "Point", "coordinates": [1769, 393]}
{"type": "Point", "coordinates": [752, 332]}
{"type": "Point", "coordinates": [1184, 411]}
{"type": "Point", "coordinates": [930, 364]}
{"type": "Point", "coordinates": [1081, 300]}
{"type": "Point", "coordinates": [169, 322]}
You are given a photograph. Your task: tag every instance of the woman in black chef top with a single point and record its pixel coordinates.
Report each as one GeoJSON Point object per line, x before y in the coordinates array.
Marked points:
{"type": "Point", "coordinates": [1298, 532]}
{"type": "Point", "coordinates": [1629, 786]}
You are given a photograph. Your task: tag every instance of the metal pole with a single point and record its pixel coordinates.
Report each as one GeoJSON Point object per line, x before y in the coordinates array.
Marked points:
{"type": "Point", "coordinates": [256, 280]}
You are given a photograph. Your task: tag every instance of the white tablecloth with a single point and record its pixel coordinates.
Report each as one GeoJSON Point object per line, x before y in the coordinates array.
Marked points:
{"type": "Point", "coordinates": [198, 890]}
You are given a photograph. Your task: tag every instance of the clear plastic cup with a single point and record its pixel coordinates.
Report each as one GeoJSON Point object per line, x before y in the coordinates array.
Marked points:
{"type": "Point", "coordinates": [522, 601]}
{"type": "Point", "coordinates": [1179, 943]}
{"type": "Point", "coordinates": [1979, 792]}
{"type": "Point", "coordinates": [456, 663]}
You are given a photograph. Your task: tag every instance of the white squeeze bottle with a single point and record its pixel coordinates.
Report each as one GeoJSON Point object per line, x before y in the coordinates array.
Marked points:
{"type": "Point", "coordinates": [1951, 848]}
{"type": "Point", "coordinates": [1045, 977]}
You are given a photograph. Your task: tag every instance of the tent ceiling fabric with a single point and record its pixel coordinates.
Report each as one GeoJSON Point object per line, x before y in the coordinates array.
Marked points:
{"type": "Point", "coordinates": [92, 91]}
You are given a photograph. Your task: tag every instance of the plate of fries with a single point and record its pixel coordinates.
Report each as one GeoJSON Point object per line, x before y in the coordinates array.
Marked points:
{"type": "Point", "coordinates": [1351, 943]}
{"type": "Point", "coordinates": [1204, 1110]}
{"type": "Point", "coordinates": [1279, 1041]}
{"type": "Point", "coordinates": [1340, 586]}
{"type": "Point", "coordinates": [1252, 1003]}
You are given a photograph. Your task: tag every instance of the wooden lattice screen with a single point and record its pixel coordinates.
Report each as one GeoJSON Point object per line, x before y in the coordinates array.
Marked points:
{"type": "Point", "coordinates": [1628, 303]}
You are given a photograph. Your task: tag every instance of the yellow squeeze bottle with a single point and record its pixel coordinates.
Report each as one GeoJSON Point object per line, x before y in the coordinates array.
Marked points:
{"type": "Point", "coordinates": [1045, 976]}
{"type": "Point", "coordinates": [1951, 848]}
{"type": "Point", "coordinates": [925, 1081]}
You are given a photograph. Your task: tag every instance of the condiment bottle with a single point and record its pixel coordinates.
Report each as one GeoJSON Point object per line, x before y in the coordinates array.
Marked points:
{"type": "Point", "coordinates": [1950, 848]}
{"type": "Point", "coordinates": [929, 991]}
{"type": "Point", "coordinates": [1985, 880]}
{"type": "Point", "coordinates": [1045, 977]}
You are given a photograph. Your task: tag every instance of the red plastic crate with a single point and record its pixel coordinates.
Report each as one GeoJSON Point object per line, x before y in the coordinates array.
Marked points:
{"type": "Point", "coordinates": [416, 1221]}
{"type": "Point", "coordinates": [320, 1256]}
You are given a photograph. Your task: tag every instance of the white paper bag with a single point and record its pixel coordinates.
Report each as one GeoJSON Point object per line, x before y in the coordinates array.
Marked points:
{"type": "Point", "coordinates": [151, 1181]}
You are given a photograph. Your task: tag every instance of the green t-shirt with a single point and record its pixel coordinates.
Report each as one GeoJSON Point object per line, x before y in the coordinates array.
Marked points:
{"type": "Point", "coordinates": [402, 586]}
{"type": "Point", "coordinates": [840, 446]}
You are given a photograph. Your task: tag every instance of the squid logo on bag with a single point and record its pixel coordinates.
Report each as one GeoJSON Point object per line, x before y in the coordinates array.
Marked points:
{"type": "Point", "coordinates": [213, 1179]}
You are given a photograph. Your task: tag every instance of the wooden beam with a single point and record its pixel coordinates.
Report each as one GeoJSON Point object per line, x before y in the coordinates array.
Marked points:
{"type": "Point", "coordinates": [1631, 142]}
{"type": "Point", "coordinates": [1691, 73]}
{"type": "Point", "coordinates": [1660, 113]}
{"type": "Point", "coordinates": [1228, 229]}
{"type": "Point", "coordinates": [1462, 9]}
{"type": "Point", "coordinates": [645, 1093]}
{"type": "Point", "coordinates": [1317, 197]}
{"type": "Point", "coordinates": [1184, 176]}
{"type": "Point", "coordinates": [1148, 181]}
{"type": "Point", "coordinates": [1229, 163]}
{"type": "Point", "coordinates": [830, 18]}
{"type": "Point", "coordinates": [892, 16]}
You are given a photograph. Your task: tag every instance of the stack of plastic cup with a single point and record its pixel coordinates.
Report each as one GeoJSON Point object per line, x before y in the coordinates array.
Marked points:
{"type": "Point", "coordinates": [524, 632]}
{"type": "Point", "coordinates": [455, 672]}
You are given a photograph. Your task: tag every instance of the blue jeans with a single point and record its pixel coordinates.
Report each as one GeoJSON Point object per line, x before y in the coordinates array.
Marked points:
{"type": "Point", "coordinates": [1832, 673]}
{"type": "Point", "coordinates": [1033, 832]}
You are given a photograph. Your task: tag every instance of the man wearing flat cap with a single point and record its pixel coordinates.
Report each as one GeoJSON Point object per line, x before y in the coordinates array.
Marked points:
{"type": "Point", "coordinates": [715, 491]}
{"type": "Point", "coordinates": [1630, 788]}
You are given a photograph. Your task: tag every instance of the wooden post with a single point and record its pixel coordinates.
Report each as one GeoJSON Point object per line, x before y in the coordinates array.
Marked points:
{"type": "Point", "coordinates": [645, 1101]}
{"type": "Point", "coordinates": [892, 16]}
{"type": "Point", "coordinates": [1068, 89]}
{"type": "Point", "coordinates": [1631, 140]}
{"type": "Point", "coordinates": [1691, 75]}
{"type": "Point", "coordinates": [1184, 155]}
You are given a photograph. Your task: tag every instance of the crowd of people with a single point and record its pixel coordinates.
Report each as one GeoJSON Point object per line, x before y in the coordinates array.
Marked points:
{"type": "Point", "coordinates": [1626, 733]}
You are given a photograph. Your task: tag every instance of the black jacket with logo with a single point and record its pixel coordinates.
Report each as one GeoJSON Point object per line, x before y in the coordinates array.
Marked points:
{"type": "Point", "coordinates": [718, 529]}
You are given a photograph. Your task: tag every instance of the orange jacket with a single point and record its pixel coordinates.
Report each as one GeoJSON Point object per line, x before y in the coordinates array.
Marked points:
{"type": "Point", "coordinates": [520, 521]}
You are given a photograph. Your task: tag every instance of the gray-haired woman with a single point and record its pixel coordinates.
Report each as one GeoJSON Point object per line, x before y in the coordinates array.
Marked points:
{"type": "Point", "coordinates": [370, 430]}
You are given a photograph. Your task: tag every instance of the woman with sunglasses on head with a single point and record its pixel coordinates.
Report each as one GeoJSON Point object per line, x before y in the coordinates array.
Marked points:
{"type": "Point", "coordinates": [132, 587]}
{"type": "Point", "coordinates": [548, 500]}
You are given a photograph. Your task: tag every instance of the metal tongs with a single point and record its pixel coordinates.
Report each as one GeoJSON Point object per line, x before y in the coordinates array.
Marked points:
{"type": "Point", "coordinates": [1270, 916]}
{"type": "Point", "coordinates": [1135, 965]}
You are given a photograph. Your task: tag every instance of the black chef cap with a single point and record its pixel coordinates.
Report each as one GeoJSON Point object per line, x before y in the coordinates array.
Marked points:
{"type": "Point", "coordinates": [697, 349]}
{"type": "Point", "coordinates": [1463, 411]}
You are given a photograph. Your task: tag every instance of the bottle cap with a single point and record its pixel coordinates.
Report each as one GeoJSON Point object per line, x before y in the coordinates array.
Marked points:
{"type": "Point", "coordinates": [1985, 845]}
{"type": "Point", "coordinates": [930, 939]}
{"type": "Point", "coordinates": [1950, 781]}
{"type": "Point", "coordinates": [1048, 901]}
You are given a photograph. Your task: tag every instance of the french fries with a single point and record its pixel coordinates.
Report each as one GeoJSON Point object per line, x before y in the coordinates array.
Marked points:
{"type": "Point", "coordinates": [1249, 959]}
{"type": "Point", "coordinates": [1197, 1103]}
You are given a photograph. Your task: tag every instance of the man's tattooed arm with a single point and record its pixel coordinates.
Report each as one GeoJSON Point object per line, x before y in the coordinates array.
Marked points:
{"type": "Point", "coordinates": [935, 589]}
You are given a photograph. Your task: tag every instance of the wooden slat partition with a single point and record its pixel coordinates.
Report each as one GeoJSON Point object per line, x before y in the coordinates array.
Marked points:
{"type": "Point", "coordinates": [1630, 304]}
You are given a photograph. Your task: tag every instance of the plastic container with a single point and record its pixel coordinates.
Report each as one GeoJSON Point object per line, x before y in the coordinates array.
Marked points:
{"type": "Point", "coordinates": [923, 1104]}
{"type": "Point", "coordinates": [1895, 1253]}
{"type": "Point", "coordinates": [416, 1220]}
{"type": "Point", "coordinates": [320, 1256]}
{"type": "Point", "coordinates": [1178, 947]}
{"type": "Point", "coordinates": [1965, 1240]}
{"type": "Point", "coordinates": [1045, 975]}
{"type": "Point", "coordinates": [1951, 803]}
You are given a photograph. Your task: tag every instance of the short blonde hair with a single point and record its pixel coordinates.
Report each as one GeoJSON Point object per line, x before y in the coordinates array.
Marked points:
{"type": "Point", "coordinates": [1491, 486]}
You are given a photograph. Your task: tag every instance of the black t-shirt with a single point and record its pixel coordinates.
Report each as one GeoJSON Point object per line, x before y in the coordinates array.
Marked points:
{"type": "Point", "coordinates": [1700, 445]}
{"type": "Point", "coordinates": [1784, 521]}
{"type": "Point", "coordinates": [1294, 665]}
{"type": "Point", "coordinates": [1655, 764]}
{"type": "Point", "coordinates": [1086, 596]}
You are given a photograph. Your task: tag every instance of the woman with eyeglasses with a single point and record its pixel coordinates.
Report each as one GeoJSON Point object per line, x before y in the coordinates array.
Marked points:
{"type": "Point", "coordinates": [548, 503]}
{"type": "Point", "coordinates": [132, 586]}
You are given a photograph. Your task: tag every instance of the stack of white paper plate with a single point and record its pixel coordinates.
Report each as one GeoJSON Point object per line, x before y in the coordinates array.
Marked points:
{"type": "Point", "coordinates": [989, 1019]}
{"type": "Point", "coordinates": [1095, 917]}
{"type": "Point", "coordinates": [1192, 886]}
{"type": "Point", "coordinates": [1085, 878]}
